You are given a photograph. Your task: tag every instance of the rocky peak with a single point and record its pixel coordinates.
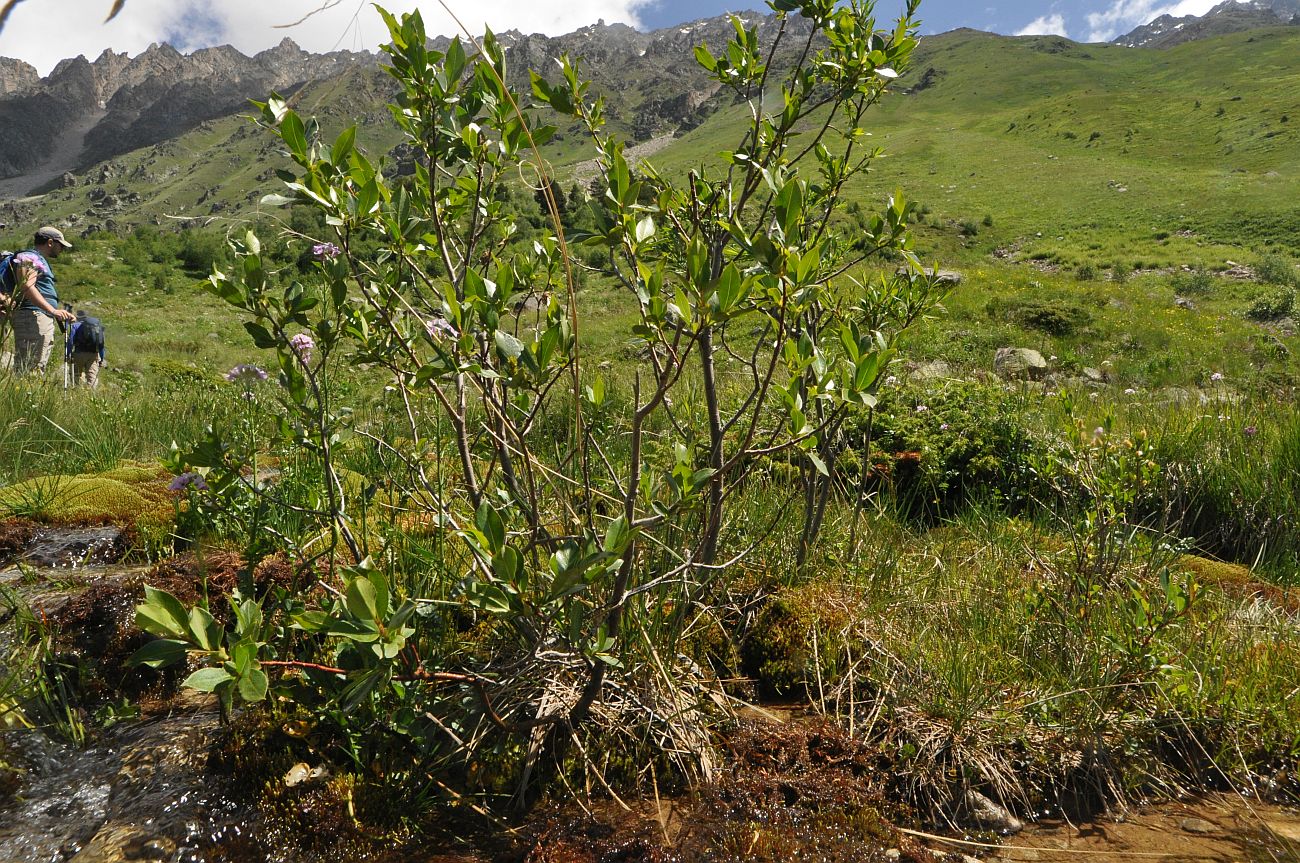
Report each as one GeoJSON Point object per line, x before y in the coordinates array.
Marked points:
{"type": "Point", "coordinates": [16, 76]}
{"type": "Point", "coordinates": [1228, 17]}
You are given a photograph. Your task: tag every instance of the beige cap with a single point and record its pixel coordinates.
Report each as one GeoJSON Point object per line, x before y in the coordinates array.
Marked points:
{"type": "Point", "coordinates": [51, 233]}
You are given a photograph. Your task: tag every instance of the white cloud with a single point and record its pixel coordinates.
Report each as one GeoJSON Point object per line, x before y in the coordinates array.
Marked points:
{"type": "Point", "coordinates": [1046, 25]}
{"type": "Point", "coordinates": [43, 32]}
{"type": "Point", "coordinates": [1123, 15]}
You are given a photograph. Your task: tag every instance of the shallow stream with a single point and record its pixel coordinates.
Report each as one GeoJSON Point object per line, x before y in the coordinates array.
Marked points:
{"type": "Point", "coordinates": [141, 791]}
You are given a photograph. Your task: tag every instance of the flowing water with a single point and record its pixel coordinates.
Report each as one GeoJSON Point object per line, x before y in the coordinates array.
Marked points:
{"type": "Point", "coordinates": [141, 789]}
{"type": "Point", "coordinates": [138, 791]}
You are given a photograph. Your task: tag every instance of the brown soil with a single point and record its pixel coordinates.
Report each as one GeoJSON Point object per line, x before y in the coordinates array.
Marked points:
{"type": "Point", "coordinates": [1220, 827]}
{"type": "Point", "coordinates": [15, 534]}
{"type": "Point", "coordinates": [98, 624]}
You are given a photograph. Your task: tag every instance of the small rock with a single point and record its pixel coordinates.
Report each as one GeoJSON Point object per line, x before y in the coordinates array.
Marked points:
{"type": "Point", "coordinates": [1184, 303]}
{"type": "Point", "coordinates": [300, 773]}
{"type": "Point", "coordinates": [1198, 825]}
{"type": "Point", "coordinates": [893, 854]}
{"type": "Point", "coordinates": [932, 370]}
{"type": "Point", "coordinates": [1019, 364]}
{"type": "Point", "coordinates": [990, 815]}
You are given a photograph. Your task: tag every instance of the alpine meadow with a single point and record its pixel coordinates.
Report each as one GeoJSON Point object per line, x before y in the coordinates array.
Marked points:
{"type": "Point", "coordinates": [783, 437]}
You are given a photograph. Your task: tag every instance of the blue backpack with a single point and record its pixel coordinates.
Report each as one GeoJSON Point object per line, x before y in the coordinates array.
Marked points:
{"type": "Point", "coordinates": [7, 278]}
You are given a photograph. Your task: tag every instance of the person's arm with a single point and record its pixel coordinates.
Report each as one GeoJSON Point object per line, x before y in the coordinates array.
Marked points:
{"type": "Point", "coordinates": [27, 272]}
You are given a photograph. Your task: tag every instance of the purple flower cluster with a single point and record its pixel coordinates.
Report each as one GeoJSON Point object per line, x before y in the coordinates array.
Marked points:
{"type": "Point", "coordinates": [325, 251]}
{"type": "Point", "coordinates": [439, 328]}
{"type": "Point", "coordinates": [302, 345]}
{"type": "Point", "coordinates": [189, 479]}
{"type": "Point", "coordinates": [245, 373]}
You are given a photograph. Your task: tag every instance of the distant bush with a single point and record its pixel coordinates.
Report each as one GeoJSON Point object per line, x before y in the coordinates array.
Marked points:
{"type": "Point", "coordinates": [1120, 272]}
{"type": "Point", "coordinates": [1053, 318]}
{"type": "Point", "coordinates": [969, 228]}
{"type": "Point", "coordinates": [1195, 281]}
{"type": "Point", "coordinates": [1272, 305]}
{"type": "Point", "coordinates": [940, 450]}
{"type": "Point", "coordinates": [199, 251]}
{"type": "Point", "coordinates": [988, 220]}
{"type": "Point", "coordinates": [1086, 273]}
{"type": "Point", "coordinates": [1275, 270]}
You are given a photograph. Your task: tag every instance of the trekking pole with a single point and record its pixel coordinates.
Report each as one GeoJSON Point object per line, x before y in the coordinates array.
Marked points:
{"type": "Point", "coordinates": [67, 350]}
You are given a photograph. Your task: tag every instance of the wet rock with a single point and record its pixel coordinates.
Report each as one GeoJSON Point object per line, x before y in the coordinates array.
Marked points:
{"type": "Point", "coordinates": [141, 793]}
{"type": "Point", "coordinates": [1198, 825]}
{"type": "Point", "coordinates": [989, 815]}
{"type": "Point", "coordinates": [1019, 364]}
{"type": "Point", "coordinates": [66, 548]}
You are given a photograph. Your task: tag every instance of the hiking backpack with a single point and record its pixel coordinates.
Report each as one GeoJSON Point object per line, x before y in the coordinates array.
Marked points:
{"type": "Point", "coordinates": [88, 336]}
{"type": "Point", "coordinates": [7, 276]}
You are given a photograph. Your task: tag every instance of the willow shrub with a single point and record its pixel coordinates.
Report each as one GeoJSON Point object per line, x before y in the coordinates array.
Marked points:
{"type": "Point", "coordinates": [578, 539]}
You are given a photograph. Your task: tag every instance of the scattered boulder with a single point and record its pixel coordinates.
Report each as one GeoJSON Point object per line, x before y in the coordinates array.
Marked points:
{"type": "Point", "coordinates": [988, 815]}
{"type": "Point", "coordinates": [1094, 376]}
{"type": "Point", "coordinates": [1184, 303]}
{"type": "Point", "coordinates": [1019, 364]}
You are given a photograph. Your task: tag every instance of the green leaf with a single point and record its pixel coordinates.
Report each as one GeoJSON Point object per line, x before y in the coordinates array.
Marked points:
{"type": "Point", "coordinates": [705, 58]}
{"type": "Point", "coordinates": [207, 679]}
{"type": "Point", "coordinates": [645, 229]}
{"type": "Point", "coordinates": [507, 564]}
{"type": "Point", "coordinates": [205, 631]}
{"type": "Point", "coordinates": [343, 145]}
{"type": "Point", "coordinates": [158, 653]}
{"type": "Point", "coordinates": [362, 599]}
{"type": "Point", "coordinates": [488, 598]}
{"type": "Point", "coordinates": [617, 535]}
{"type": "Point", "coordinates": [294, 134]}
{"type": "Point", "coordinates": [508, 345]}
{"type": "Point", "coordinates": [162, 614]}
{"type": "Point", "coordinates": [261, 337]}
{"type": "Point", "coordinates": [489, 523]}
{"type": "Point", "coordinates": [253, 685]}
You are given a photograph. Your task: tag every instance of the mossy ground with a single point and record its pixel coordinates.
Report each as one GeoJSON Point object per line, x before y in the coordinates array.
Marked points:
{"type": "Point", "coordinates": [131, 495]}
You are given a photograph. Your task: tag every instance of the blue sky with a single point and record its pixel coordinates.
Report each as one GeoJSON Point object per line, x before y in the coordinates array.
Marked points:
{"type": "Point", "coordinates": [1082, 20]}
{"type": "Point", "coordinates": [325, 25]}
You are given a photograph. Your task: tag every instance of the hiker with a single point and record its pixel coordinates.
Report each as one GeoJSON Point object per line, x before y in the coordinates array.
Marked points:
{"type": "Point", "coordinates": [37, 301]}
{"type": "Point", "coordinates": [85, 350]}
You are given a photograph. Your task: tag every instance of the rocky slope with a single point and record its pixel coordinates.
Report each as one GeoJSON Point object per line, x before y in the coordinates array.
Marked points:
{"type": "Point", "coordinates": [85, 113]}
{"type": "Point", "coordinates": [1228, 17]}
{"type": "Point", "coordinates": [117, 103]}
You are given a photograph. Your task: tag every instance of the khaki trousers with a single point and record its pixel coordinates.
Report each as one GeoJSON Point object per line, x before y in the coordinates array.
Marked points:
{"type": "Point", "coordinates": [33, 340]}
{"type": "Point", "coordinates": [85, 369]}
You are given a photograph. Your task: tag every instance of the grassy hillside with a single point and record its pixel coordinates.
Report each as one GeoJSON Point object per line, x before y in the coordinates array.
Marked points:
{"type": "Point", "coordinates": [1078, 188]}
{"type": "Point", "coordinates": [1107, 152]}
